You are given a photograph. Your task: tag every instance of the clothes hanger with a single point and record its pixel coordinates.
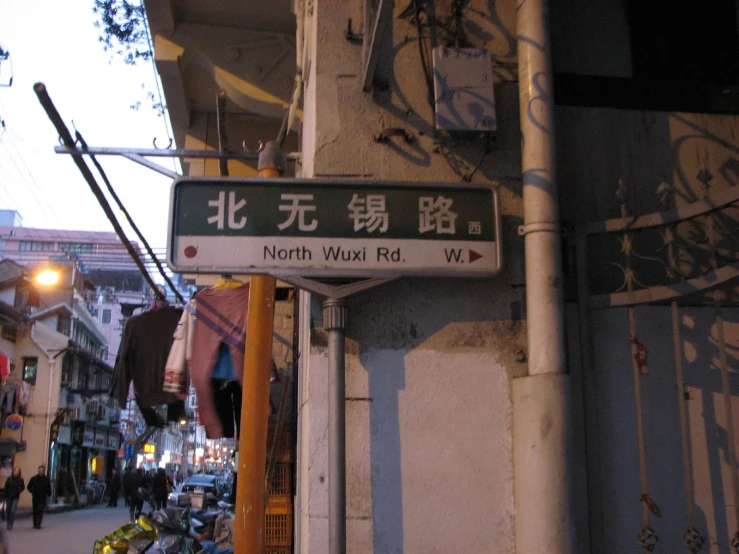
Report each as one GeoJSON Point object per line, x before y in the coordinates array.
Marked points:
{"type": "Point", "coordinates": [227, 282]}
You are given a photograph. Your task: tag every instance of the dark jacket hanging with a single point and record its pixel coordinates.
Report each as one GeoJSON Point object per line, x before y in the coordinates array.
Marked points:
{"type": "Point", "coordinates": [147, 339]}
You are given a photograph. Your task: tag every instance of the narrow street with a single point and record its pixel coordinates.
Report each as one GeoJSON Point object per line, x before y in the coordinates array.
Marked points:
{"type": "Point", "coordinates": [73, 532]}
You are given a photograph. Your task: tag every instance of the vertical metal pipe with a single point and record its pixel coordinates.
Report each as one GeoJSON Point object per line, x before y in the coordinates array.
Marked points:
{"type": "Point", "coordinates": [543, 491]}
{"type": "Point", "coordinates": [541, 227]}
{"type": "Point", "coordinates": [542, 461]}
{"type": "Point", "coordinates": [249, 511]}
{"type": "Point", "coordinates": [221, 98]}
{"type": "Point", "coordinates": [335, 315]}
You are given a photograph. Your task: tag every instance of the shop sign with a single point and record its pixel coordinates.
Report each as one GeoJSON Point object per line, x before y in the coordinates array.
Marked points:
{"type": "Point", "coordinates": [65, 435]}
{"type": "Point", "coordinates": [113, 440]}
{"type": "Point", "coordinates": [14, 422]}
{"type": "Point", "coordinates": [127, 451]}
{"type": "Point", "coordinates": [88, 438]}
{"type": "Point", "coordinates": [101, 438]}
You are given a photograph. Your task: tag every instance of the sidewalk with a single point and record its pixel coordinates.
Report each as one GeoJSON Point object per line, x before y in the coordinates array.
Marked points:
{"type": "Point", "coordinates": [22, 513]}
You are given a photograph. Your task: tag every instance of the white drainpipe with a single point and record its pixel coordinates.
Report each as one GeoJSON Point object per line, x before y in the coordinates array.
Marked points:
{"type": "Point", "coordinates": [542, 426]}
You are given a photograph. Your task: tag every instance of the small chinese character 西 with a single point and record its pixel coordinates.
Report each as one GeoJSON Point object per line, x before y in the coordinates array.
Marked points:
{"type": "Point", "coordinates": [435, 214]}
{"type": "Point", "coordinates": [298, 211]}
{"type": "Point", "coordinates": [474, 228]}
{"type": "Point", "coordinates": [369, 212]}
{"type": "Point", "coordinates": [233, 207]}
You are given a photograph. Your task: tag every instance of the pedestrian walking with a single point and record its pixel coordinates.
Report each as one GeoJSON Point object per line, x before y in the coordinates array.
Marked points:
{"type": "Point", "coordinates": [161, 488]}
{"type": "Point", "coordinates": [14, 486]}
{"type": "Point", "coordinates": [135, 502]}
{"type": "Point", "coordinates": [114, 488]}
{"type": "Point", "coordinates": [40, 488]}
{"type": "Point", "coordinates": [126, 476]}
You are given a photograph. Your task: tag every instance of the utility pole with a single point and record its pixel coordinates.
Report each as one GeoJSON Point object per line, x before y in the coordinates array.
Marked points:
{"type": "Point", "coordinates": [250, 483]}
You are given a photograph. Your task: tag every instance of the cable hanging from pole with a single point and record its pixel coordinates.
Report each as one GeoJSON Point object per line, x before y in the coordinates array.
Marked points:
{"type": "Point", "coordinates": [66, 139]}
{"type": "Point", "coordinates": [112, 192]}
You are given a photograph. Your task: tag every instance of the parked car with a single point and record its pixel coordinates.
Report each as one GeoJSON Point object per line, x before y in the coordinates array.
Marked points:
{"type": "Point", "coordinates": [209, 485]}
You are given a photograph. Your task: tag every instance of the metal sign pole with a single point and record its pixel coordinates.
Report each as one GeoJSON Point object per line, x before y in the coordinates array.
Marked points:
{"type": "Point", "coordinates": [335, 314]}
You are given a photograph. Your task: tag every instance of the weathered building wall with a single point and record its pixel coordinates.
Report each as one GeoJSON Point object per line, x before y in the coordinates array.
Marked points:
{"type": "Point", "coordinates": [429, 361]}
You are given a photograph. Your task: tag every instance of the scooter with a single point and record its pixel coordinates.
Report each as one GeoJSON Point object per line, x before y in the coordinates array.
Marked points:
{"type": "Point", "coordinates": [165, 531]}
{"type": "Point", "coordinates": [211, 524]}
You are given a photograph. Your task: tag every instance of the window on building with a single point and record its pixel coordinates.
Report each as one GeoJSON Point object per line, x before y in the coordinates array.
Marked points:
{"type": "Point", "coordinates": [105, 318]}
{"type": "Point", "coordinates": [9, 333]}
{"type": "Point", "coordinates": [35, 246]}
{"type": "Point", "coordinates": [76, 246]}
{"type": "Point", "coordinates": [64, 324]}
{"type": "Point", "coordinates": [30, 367]}
{"type": "Point", "coordinates": [66, 375]}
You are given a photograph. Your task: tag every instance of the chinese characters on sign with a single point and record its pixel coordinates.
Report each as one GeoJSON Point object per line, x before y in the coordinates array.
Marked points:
{"type": "Point", "coordinates": [233, 207]}
{"type": "Point", "coordinates": [368, 212]}
{"type": "Point", "coordinates": [345, 228]}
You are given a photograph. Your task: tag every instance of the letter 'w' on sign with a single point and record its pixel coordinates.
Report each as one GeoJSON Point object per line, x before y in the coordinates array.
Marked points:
{"type": "Point", "coordinates": [333, 228]}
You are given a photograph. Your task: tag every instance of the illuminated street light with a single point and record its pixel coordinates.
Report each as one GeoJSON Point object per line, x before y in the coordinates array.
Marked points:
{"type": "Point", "coordinates": [47, 277]}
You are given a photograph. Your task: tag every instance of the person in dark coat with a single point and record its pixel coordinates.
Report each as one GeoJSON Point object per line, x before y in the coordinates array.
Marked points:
{"type": "Point", "coordinates": [114, 488]}
{"type": "Point", "coordinates": [14, 486]}
{"type": "Point", "coordinates": [40, 488]}
{"type": "Point", "coordinates": [135, 503]}
{"type": "Point", "coordinates": [162, 485]}
{"type": "Point", "coordinates": [126, 475]}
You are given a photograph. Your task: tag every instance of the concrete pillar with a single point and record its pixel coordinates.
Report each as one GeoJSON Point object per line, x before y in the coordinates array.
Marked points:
{"type": "Point", "coordinates": [543, 464]}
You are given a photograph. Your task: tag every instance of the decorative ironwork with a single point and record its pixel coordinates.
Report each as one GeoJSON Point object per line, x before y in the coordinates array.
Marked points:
{"type": "Point", "coordinates": [693, 540]}
{"type": "Point", "coordinates": [661, 256]}
{"type": "Point", "coordinates": [647, 538]}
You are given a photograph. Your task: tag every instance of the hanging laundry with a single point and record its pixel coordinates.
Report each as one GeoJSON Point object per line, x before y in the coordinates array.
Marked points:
{"type": "Point", "coordinates": [4, 368]}
{"type": "Point", "coordinates": [145, 345]}
{"type": "Point", "coordinates": [176, 374]}
{"type": "Point", "coordinates": [208, 349]}
{"type": "Point", "coordinates": [23, 397]}
{"type": "Point", "coordinates": [7, 397]}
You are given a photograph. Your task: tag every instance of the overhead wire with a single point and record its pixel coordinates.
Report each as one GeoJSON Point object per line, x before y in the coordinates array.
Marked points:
{"type": "Point", "coordinates": [33, 185]}
{"type": "Point", "coordinates": [129, 218]}
{"type": "Point", "coordinates": [30, 189]}
{"type": "Point", "coordinates": [79, 161]}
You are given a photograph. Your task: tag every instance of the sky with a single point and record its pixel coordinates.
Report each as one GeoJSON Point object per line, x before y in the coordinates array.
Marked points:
{"type": "Point", "coordinates": [56, 43]}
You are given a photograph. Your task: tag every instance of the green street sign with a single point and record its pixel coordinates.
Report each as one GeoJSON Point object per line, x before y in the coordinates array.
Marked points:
{"type": "Point", "coordinates": [316, 227]}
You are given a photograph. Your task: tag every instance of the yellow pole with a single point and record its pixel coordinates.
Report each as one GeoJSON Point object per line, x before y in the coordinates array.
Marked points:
{"type": "Point", "coordinates": [255, 404]}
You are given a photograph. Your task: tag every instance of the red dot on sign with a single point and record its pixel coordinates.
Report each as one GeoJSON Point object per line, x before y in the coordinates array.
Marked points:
{"type": "Point", "coordinates": [191, 251]}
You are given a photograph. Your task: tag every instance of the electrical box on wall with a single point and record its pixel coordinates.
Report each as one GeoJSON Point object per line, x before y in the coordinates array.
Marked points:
{"type": "Point", "coordinates": [463, 89]}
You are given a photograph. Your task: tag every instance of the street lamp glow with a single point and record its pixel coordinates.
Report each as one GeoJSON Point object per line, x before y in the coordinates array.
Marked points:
{"type": "Point", "coordinates": [47, 277]}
